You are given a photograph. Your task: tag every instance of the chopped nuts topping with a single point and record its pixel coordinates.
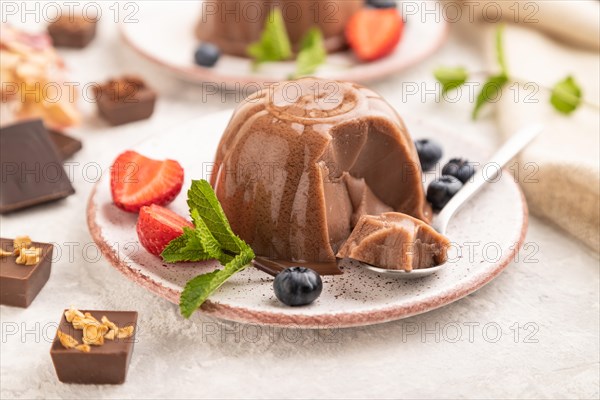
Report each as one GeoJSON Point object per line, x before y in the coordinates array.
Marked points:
{"type": "Point", "coordinates": [125, 332]}
{"type": "Point", "coordinates": [94, 331]}
{"type": "Point", "coordinates": [71, 313]}
{"type": "Point", "coordinates": [94, 334]}
{"type": "Point", "coordinates": [84, 348]}
{"type": "Point", "coordinates": [67, 341]}
{"type": "Point", "coordinates": [21, 242]}
{"type": "Point", "coordinates": [29, 256]}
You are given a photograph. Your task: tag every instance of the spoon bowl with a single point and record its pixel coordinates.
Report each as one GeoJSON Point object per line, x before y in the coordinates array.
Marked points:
{"type": "Point", "coordinates": [507, 152]}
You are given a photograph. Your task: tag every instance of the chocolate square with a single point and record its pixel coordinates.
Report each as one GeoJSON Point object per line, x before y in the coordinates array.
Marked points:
{"type": "Point", "coordinates": [126, 99]}
{"type": "Point", "coordinates": [32, 171]}
{"type": "Point", "coordinates": [72, 31]}
{"type": "Point", "coordinates": [65, 144]}
{"type": "Point", "coordinates": [20, 284]}
{"type": "Point", "coordinates": [106, 364]}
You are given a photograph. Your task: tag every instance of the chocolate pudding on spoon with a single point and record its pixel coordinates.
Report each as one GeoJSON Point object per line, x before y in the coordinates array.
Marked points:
{"type": "Point", "coordinates": [300, 162]}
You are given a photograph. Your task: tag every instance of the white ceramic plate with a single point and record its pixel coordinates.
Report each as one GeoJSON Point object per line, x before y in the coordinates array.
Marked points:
{"type": "Point", "coordinates": [494, 223]}
{"type": "Point", "coordinates": [163, 32]}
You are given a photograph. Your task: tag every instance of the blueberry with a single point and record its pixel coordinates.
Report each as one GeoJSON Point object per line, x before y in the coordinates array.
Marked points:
{"type": "Point", "coordinates": [459, 168]}
{"type": "Point", "coordinates": [441, 190]}
{"type": "Point", "coordinates": [381, 3]}
{"type": "Point", "coordinates": [429, 152]}
{"type": "Point", "coordinates": [297, 286]}
{"type": "Point", "coordinates": [207, 55]}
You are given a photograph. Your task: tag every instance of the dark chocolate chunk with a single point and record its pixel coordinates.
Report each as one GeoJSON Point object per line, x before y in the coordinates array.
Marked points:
{"type": "Point", "coordinates": [126, 99]}
{"type": "Point", "coordinates": [65, 144]}
{"type": "Point", "coordinates": [105, 364]}
{"type": "Point", "coordinates": [20, 284]}
{"type": "Point", "coordinates": [73, 31]}
{"type": "Point", "coordinates": [32, 171]}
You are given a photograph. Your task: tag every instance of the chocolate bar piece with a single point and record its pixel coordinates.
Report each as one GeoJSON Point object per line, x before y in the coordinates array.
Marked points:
{"type": "Point", "coordinates": [105, 364]}
{"type": "Point", "coordinates": [20, 284]}
{"type": "Point", "coordinates": [32, 171]}
{"type": "Point", "coordinates": [73, 31]}
{"type": "Point", "coordinates": [126, 99]}
{"type": "Point", "coordinates": [65, 144]}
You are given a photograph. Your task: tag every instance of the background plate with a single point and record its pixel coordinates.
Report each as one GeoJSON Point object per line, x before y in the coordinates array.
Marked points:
{"type": "Point", "coordinates": [173, 47]}
{"type": "Point", "coordinates": [492, 226]}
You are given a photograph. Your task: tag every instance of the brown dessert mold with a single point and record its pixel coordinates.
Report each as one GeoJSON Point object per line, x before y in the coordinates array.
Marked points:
{"type": "Point", "coordinates": [74, 31]}
{"type": "Point", "coordinates": [301, 161]}
{"type": "Point", "coordinates": [33, 171]}
{"type": "Point", "coordinates": [125, 99]}
{"type": "Point", "coordinates": [20, 284]}
{"type": "Point", "coordinates": [105, 364]}
{"type": "Point", "coordinates": [234, 24]}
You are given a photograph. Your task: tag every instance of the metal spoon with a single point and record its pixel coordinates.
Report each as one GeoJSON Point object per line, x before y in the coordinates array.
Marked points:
{"type": "Point", "coordinates": [511, 148]}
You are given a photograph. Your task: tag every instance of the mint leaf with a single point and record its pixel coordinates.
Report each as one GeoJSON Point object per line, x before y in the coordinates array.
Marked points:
{"type": "Point", "coordinates": [186, 247]}
{"type": "Point", "coordinates": [274, 43]}
{"type": "Point", "coordinates": [198, 289]}
{"type": "Point", "coordinates": [312, 53]}
{"type": "Point", "coordinates": [490, 90]}
{"type": "Point", "coordinates": [202, 198]}
{"type": "Point", "coordinates": [500, 50]}
{"type": "Point", "coordinates": [210, 245]}
{"type": "Point", "coordinates": [451, 77]}
{"type": "Point", "coordinates": [566, 95]}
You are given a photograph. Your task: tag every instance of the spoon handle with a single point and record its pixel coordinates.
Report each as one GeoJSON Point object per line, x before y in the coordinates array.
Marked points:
{"type": "Point", "coordinates": [488, 172]}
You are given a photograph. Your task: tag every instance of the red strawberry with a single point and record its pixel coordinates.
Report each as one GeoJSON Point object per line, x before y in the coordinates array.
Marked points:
{"type": "Point", "coordinates": [157, 226]}
{"type": "Point", "coordinates": [374, 33]}
{"type": "Point", "coordinates": [137, 181]}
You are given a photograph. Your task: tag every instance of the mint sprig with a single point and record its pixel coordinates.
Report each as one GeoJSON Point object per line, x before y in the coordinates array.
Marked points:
{"type": "Point", "coordinates": [566, 95]}
{"type": "Point", "coordinates": [212, 238]}
{"type": "Point", "coordinates": [312, 53]}
{"type": "Point", "coordinates": [274, 43]}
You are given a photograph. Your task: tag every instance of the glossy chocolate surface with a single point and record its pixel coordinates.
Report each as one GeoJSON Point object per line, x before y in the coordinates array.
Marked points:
{"type": "Point", "coordinates": [234, 24]}
{"type": "Point", "coordinates": [32, 170]}
{"type": "Point", "coordinates": [395, 241]}
{"type": "Point", "coordinates": [20, 284]}
{"type": "Point", "coordinates": [300, 162]}
{"type": "Point", "coordinates": [106, 364]}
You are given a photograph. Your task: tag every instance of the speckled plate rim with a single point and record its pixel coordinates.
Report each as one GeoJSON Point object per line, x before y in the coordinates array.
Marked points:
{"type": "Point", "coordinates": [376, 70]}
{"type": "Point", "coordinates": [320, 321]}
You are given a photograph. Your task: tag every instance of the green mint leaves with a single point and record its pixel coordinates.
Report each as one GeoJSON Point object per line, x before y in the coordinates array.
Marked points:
{"type": "Point", "coordinates": [566, 95]}
{"type": "Point", "coordinates": [312, 53]}
{"type": "Point", "coordinates": [492, 88]}
{"type": "Point", "coordinates": [275, 45]}
{"type": "Point", "coordinates": [451, 77]}
{"type": "Point", "coordinates": [212, 238]}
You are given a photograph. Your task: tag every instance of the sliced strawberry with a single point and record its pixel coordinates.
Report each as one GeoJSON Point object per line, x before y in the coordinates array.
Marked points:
{"type": "Point", "coordinates": [157, 226]}
{"type": "Point", "coordinates": [137, 181]}
{"type": "Point", "coordinates": [374, 33]}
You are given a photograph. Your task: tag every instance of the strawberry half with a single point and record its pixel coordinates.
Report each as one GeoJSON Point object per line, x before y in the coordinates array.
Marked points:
{"type": "Point", "coordinates": [374, 33]}
{"type": "Point", "coordinates": [157, 226]}
{"type": "Point", "coordinates": [137, 181]}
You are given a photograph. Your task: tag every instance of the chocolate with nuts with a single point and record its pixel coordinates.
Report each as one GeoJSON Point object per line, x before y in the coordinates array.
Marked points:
{"type": "Point", "coordinates": [24, 270]}
{"type": "Point", "coordinates": [73, 31]}
{"type": "Point", "coordinates": [94, 347]}
{"type": "Point", "coordinates": [125, 99]}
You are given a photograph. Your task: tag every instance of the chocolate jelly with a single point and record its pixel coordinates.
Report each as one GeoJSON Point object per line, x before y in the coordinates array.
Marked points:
{"type": "Point", "coordinates": [300, 162]}
{"type": "Point", "coordinates": [234, 24]}
{"type": "Point", "coordinates": [395, 241]}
